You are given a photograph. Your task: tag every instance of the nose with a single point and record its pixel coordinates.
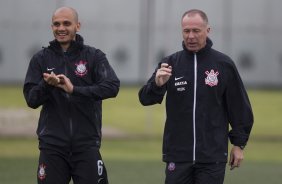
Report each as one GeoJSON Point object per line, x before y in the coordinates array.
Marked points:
{"type": "Point", "coordinates": [191, 35]}
{"type": "Point", "coordinates": [61, 27]}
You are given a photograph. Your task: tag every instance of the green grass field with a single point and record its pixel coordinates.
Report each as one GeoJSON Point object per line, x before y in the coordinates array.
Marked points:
{"type": "Point", "coordinates": [136, 158]}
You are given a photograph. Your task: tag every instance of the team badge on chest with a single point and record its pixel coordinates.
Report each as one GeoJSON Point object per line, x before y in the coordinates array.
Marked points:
{"type": "Point", "coordinates": [81, 69]}
{"type": "Point", "coordinates": [211, 78]}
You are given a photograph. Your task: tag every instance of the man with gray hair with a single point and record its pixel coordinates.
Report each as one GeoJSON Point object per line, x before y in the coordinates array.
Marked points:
{"type": "Point", "coordinates": [204, 95]}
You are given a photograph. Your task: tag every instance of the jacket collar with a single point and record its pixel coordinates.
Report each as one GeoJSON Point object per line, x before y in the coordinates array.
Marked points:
{"type": "Point", "coordinates": [76, 45]}
{"type": "Point", "coordinates": [205, 49]}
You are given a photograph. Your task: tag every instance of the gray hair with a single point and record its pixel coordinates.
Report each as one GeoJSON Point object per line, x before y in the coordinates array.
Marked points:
{"type": "Point", "coordinates": [196, 11]}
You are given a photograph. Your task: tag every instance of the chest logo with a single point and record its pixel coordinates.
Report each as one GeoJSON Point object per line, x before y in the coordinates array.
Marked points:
{"type": "Point", "coordinates": [180, 83]}
{"type": "Point", "coordinates": [81, 69]}
{"type": "Point", "coordinates": [211, 78]}
{"type": "Point", "coordinates": [177, 78]}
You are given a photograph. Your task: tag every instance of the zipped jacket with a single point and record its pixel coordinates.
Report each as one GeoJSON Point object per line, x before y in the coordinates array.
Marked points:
{"type": "Point", "coordinates": [70, 121]}
{"type": "Point", "coordinates": [204, 95]}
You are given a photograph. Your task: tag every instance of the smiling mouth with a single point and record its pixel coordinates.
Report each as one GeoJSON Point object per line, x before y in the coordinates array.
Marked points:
{"type": "Point", "coordinates": [61, 34]}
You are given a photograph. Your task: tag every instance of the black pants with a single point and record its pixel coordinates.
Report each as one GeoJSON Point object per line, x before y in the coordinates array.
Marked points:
{"type": "Point", "coordinates": [83, 168]}
{"type": "Point", "coordinates": [198, 173]}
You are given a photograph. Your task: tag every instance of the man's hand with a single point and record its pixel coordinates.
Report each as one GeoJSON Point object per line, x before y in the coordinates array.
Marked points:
{"type": "Point", "coordinates": [65, 83]}
{"type": "Point", "coordinates": [51, 79]}
{"type": "Point", "coordinates": [236, 157]}
{"type": "Point", "coordinates": [163, 74]}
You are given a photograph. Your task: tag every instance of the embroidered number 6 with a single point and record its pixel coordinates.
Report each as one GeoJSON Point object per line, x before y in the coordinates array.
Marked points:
{"type": "Point", "coordinates": [100, 167]}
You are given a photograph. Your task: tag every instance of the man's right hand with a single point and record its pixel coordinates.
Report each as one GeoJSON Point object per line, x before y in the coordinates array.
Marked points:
{"type": "Point", "coordinates": [163, 74]}
{"type": "Point", "coordinates": [51, 79]}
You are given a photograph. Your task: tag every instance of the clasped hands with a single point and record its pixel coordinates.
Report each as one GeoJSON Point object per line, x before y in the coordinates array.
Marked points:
{"type": "Point", "coordinates": [60, 81]}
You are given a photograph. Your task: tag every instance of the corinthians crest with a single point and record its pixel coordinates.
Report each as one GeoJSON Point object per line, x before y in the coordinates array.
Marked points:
{"type": "Point", "coordinates": [211, 78]}
{"type": "Point", "coordinates": [81, 69]}
{"type": "Point", "coordinates": [41, 172]}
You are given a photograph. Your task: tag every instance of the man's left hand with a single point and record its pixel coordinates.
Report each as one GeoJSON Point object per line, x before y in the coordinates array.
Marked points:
{"type": "Point", "coordinates": [65, 83]}
{"type": "Point", "coordinates": [236, 157]}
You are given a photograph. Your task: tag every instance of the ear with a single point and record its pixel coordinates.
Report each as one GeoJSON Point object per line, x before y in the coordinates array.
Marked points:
{"type": "Point", "coordinates": [78, 26]}
{"type": "Point", "coordinates": [208, 30]}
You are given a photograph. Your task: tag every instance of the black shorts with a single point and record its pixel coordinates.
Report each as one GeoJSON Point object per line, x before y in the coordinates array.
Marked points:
{"type": "Point", "coordinates": [83, 168]}
{"type": "Point", "coordinates": [198, 173]}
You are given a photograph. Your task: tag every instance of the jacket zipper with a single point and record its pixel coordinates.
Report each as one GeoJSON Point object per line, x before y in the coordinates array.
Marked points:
{"type": "Point", "coordinates": [194, 107]}
{"type": "Point", "coordinates": [67, 95]}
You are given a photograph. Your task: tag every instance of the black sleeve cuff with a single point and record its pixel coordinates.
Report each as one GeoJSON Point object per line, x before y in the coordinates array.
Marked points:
{"type": "Point", "coordinates": [160, 90]}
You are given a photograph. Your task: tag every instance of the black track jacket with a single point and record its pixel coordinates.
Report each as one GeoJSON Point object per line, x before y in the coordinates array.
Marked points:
{"type": "Point", "coordinates": [204, 95]}
{"type": "Point", "coordinates": [70, 121]}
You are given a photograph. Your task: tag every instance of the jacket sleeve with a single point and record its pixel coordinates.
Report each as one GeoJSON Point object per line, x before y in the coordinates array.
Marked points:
{"type": "Point", "coordinates": [106, 83]}
{"type": "Point", "coordinates": [239, 109]}
{"type": "Point", "coordinates": [36, 90]}
{"type": "Point", "coordinates": [150, 93]}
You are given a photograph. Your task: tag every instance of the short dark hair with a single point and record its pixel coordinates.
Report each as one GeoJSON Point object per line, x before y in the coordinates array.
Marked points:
{"type": "Point", "coordinates": [196, 11]}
